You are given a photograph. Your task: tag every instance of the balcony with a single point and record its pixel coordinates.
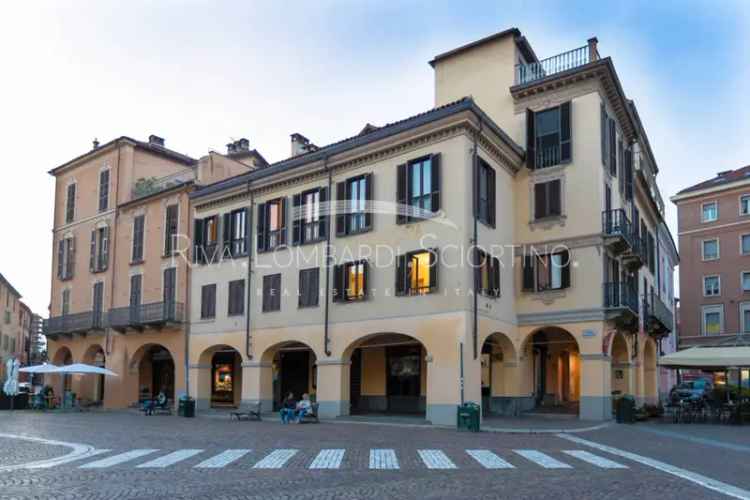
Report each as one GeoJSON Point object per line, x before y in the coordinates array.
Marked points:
{"type": "Point", "coordinates": [572, 59]}
{"type": "Point", "coordinates": [154, 315]}
{"type": "Point", "coordinates": [146, 186]}
{"type": "Point", "coordinates": [622, 239]}
{"type": "Point", "coordinates": [659, 319]}
{"type": "Point", "coordinates": [69, 324]}
{"type": "Point", "coordinates": [621, 305]}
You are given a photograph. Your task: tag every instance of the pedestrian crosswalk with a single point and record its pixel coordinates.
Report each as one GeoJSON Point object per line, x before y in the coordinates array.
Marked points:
{"type": "Point", "coordinates": [339, 458]}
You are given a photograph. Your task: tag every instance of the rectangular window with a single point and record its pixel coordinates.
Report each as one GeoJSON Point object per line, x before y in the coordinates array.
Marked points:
{"type": "Point", "coordinates": [70, 203]}
{"type": "Point", "coordinates": [713, 320]}
{"type": "Point", "coordinates": [208, 301]}
{"type": "Point", "coordinates": [417, 272]}
{"type": "Point", "coordinates": [238, 232]}
{"type": "Point", "coordinates": [711, 286]}
{"type": "Point", "coordinates": [745, 204]}
{"type": "Point", "coordinates": [65, 258]}
{"type": "Point", "coordinates": [272, 292]}
{"type": "Point", "coordinates": [710, 249]}
{"type": "Point", "coordinates": [745, 278]}
{"type": "Point", "coordinates": [136, 291]}
{"type": "Point", "coordinates": [745, 244]}
{"type": "Point", "coordinates": [139, 226]}
{"type": "Point", "coordinates": [549, 137]}
{"type": "Point", "coordinates": [710, 212]}
{"type": "Point", "coordinates": [309, 288]}
{"type": "Point", "coordinates": [353, 199]}
{"type": "Point", "coordinates": [487, 268]}
{"type": "Point", "coordinates": [485, 195]}
{"type": "Point", "coordinates": [103, 190]}
{"type": "Point", "coordinates": [170, 230]}
{"type": "Point", "coordinates": [651, 248]}
{"type": "Point", "coordinates": [236, 298]}
{"type": "Point", "coordinates": [99, 250]}
{"type": "Point", "coordinates": [745, 317]}
{"type": "Point", "coordinates": [547, 199]}
{"type": "Point", "coordinates": [309, 223]}
{"type": "Point", "coordinates": [271, 224]}
{"type": "Point", "coordinates": [350, 281]}
{"type": "Point", "coordinates": [169, 289]}
{"type": "Point", "coordinates": [418, 189]}
{"type": "Point", "coordinates": [546, 272]}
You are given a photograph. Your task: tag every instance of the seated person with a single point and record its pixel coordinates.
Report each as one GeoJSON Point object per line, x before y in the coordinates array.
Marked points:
{"type": "Point", "coordinates": [303, 407]}
{"type": "Point", "coordinates": [288, 407]}
{"type": "Point", "coordinates": [161, 399]}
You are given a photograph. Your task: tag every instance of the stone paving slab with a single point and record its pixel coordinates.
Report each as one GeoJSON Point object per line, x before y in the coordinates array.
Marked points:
{"type": "Point", "coordinates": [18, 451]}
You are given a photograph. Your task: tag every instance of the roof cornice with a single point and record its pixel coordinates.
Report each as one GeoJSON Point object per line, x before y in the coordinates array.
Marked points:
{"type": "Point", "coordinates": [709, 190]}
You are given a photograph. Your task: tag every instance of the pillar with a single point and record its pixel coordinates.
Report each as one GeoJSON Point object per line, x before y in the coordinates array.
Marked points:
{"type": "Point", "coordinates": [200, 384]}
{"type": "Point", "coordinates": [257, 384]}
{"type": "Point", "coordinates": [596, 387]}
{"type": "Point", "coordinates": [333, 387]}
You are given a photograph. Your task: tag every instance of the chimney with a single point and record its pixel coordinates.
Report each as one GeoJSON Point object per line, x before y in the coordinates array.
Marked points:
{"type": "Point", "coordinates": [96, 143]}
{"type": "Point", "coordinates": [723, 173]}
{"type": "Point", "coordinates": [231, 148]}
{"type": "Point", "coordinates": [242, 145]}
{"type": "Point", "coordinates": [593, 52]}
{"type": "Point", "coordinates": [155, 140]}
{"type": "Point", "coordinates": [301, 144]}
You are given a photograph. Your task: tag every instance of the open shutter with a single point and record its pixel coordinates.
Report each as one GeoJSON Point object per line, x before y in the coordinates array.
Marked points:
{"type": "Point", "coordinates": [341, 209]}
{"type": "Point", "coordinates": [60, 258]}
{"type": "Point", "coordinates": [262, 218]}
{"type": "Point", "coordinates": [92, 255]}
{"type": "Point", "coordinates": [612, 148]}
{"type": "Point", "coordinates": [284, 219]}
{"type": "Point", "coordinates": [495, 277]}
{"type": "Point", "coordinates": [436, 187]}
{"type": "Point", "coordinates": [528, 273]}
{"type": "Point", "coordinates": [491, 202]}
{"type": "Point", "coordinates": [555, 195]}
{"type": "Point", "coordinates": [628, 174]}
{"type": "Point", "coordinates": [433, 269]}
{"type": "Point", "coordinates": [338, 280]}
{"type": "Point", "coordinates": [566, 149]}
{"type": "Point", "coordinates": [530, 140]}
{"type": "Point", "coordinates": [401, 274]}
{"type": "Point", "coordinates": [540, 200]}
{"type": "Point", "coordinates": [197, 241]}
{"type": "Point", "coordinates": [105, 249]}
{"type": "Point", "coordinates": [365, 278]}
{"type": "Point", "coordinates": [603, 133]}
{"type": "Point", "coordinates": [226, 236]}
{"type": "Point", "coordinates": [297, 219]}
{"type": "Point", "coordinates": [324, 213]}
{"type": "Point", "coordinates": [565, 271]}
{"type": "Point", "coordinates": [623, 167]}
{"type": "Point", "coordinates": [401, 190]}
{"type": "Point", "coordinates": [368, 201]}
{"type": "Point", "coordinates": [70, 268]}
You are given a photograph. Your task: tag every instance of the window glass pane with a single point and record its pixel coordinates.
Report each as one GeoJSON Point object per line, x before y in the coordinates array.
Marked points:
{"type": "Point", "coordinates": [746, 320]}
{"type": "Point", "coordinates": [548, 122]}
{"type": "Point", "coordinates": [746, 243]}
{"type": "Point", "coordinates": [712, 322]}
{"type": "Point", "coordinates": [556, 271]}
{"type": "Point", "coordinates": [709, 212]}
{"type": "Point", "coordinates": [274, 216]}
{"type": "Point", "coordinates": [416, 183]}
{"type": "Point", "coordinates": [355, 281]}
{"type": "Point", "coordinates": [420, 272]}
{"type": "Point", "coordinates": [745, 205]}
{"type": "Point", "coordinates": [710, 249]}
{"type": "Point", "coordinates": [746, 281]}
{"type": "Point", "coordinates": [711, 285]}
{"type": "Point", "coordinates": [426, 177]}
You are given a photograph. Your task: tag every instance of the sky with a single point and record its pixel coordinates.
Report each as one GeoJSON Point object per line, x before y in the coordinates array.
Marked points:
{"type": "Point", "coordinates": [202, 74]}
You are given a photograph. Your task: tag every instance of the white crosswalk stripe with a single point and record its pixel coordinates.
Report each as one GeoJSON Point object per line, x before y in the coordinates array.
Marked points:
{"type": "Point", "coordinates": [436, 459]}
{"type": "Point", "coordinates": [542, 459]}
{"type": "Point", "coordinates": [489, 460]}
{"type": "Point", "coordinates": [383, 459]}
{"type": "Point", "coordinates": [276, 459]}
{"type": "Point", "coordinates": [64, 460]}
{"type": "Point", "coordinates": [118, 459]}
{"type": "Point", "coordinates": [222, 459]}
{"type": "Point", "coordinates": [602, 462]}
{"type": "Point", "coordinates": [328, 459]}
{"type": "Point", "coordinates": [170, 459]}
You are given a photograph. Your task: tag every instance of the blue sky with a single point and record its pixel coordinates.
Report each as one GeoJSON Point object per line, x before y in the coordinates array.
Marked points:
{"type": "Point", "coordinates": [203, 73]}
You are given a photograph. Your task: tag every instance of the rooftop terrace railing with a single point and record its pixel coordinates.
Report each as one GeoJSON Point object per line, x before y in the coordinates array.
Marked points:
{"type": "Point", "coordinates": [527, 73]}
{"type": "Point", "coordinates": [146, 186]}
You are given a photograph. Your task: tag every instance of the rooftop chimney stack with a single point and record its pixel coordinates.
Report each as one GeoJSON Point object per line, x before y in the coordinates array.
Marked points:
{"type": "Point", "coordinates": [593, 51]}
{"type": "Point", "coordinates": [301, 145]}
{"type": "Point", "coordinates": [231, 147]}
{"type": "Point", "coordinates": [242, 145]}
{"type": "Point", "coordinates": [155, 140]}
{"type": "Point", "coordinates": [96, 143]}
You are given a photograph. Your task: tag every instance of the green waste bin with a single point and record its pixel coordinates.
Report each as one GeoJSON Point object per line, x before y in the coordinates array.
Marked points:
{"type": "Point", "coordinates": [625, 413]}
{"type": "Point", "coordinates": [468, 417]}
{"type": "Point", "coordinates": [186, 407]}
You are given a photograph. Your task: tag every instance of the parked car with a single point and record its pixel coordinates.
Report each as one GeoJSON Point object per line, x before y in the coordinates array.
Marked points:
{"type": "Point", "coordinates": [692, 390]}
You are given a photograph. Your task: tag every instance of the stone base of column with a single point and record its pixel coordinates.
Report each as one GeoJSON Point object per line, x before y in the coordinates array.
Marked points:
{"type": "Point", "coordinates": [510, 406]}
{"type": "Point", "coordinates": [332, 409]}
{"type": "Point", "coordinates": [442, 414]}
{"type": "Point", "coordinates": [596, 408]}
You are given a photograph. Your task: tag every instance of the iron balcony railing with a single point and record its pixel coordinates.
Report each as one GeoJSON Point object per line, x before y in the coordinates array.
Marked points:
{"type": "Point", "coordinates": [547, 157]}
{"type": "Point", "coordinates": [73, 323]}
{"type": "Point", "coordinates": [527, 73]}
{"type": "Point", "coordinates": [616, 223]}
{"type": "Point", "coordinates": [146, 314]}
{"type": "Point", "coordinates": [654, 308]}
{"type": "Point", "coordinates": [146, 186]}
{"type": "Point", "coordinates": [620, 295]}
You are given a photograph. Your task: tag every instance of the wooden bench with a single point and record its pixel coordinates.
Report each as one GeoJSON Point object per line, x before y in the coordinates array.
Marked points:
{"type": "Point", "coordinates": [311, 417]}
{"type": "Point", "coordinates": [165, 409]}
{"type": "Point", "coordinates": [247, 411]}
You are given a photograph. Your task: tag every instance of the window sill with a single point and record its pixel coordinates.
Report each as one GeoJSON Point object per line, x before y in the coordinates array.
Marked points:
{"type": "Point", "coordinates": [271, 310]}
{"type": "Point", "coordinates": [236, 315]}
{"type": "Point", "coordinates": [312, 306]}
{"type": "Point", "coordinates": [207, 320]}
{"type": "Point", "coordinates": [278, 247]}
{"type": "Point", "coordinates": [548, 222]}
{"type": "Point", "coordinates": [550, 169]}
{"type": "Point", "coordinates": [137, 262]}
{"type": "Point", "coordinates": [353, 233]}
{"type": "Point", "coordinates": [309, 242]}
{"type": "Point", "coordinates": [350, 301]}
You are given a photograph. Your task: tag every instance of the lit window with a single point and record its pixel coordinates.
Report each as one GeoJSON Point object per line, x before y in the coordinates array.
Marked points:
{"type": "Point", "coordinates": [350, 282]}
{"type": "Point", "coordinates": [713, 320]}
{"type": "Point", "coordinates": [416, 273]}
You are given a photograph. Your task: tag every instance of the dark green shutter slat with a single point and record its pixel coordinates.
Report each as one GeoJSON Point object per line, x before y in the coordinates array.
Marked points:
{"type": "Point", "coordinates": [296, 219]}
{"type": "Point", "coordinates": [491, 196]}
{"type": "Point", "coordinates": [262, 219]}
{"type": "Point", "coordinates": [435, 181]}
{"type": "Point", "coordinates": [338, 291]}
{"type": "Point", "coordinates": [566, 149]}
{"type": "Point", "coordinates": [368, 201]}
{"type": "Point", "coordinates": [401, 190]}
{"type": "Point", "coordinates": [365, 278]}
{"type": "Point", "coordinates": [530, 140]}
{"type": "Point", "coordinates": [60, 258]}
{"type": "Point", "coordinates": [540, 200]}
{"type": "Point", "coordinates": [401, 275]}
{"type": "Point", "coordinates": [434, 263]}
{"type": "Point", "coordinates": [528, 273]}
{"type": "Point", "coordinates": [565, 272]}
{"type": "Point", "coordinates": [341, 206]}
{"type": "Point", "coordinates": [324, 213]}
{"type": "Point", "coordinates": [92, 255]}
{"type": "Point", "coordinates": [603, 132]}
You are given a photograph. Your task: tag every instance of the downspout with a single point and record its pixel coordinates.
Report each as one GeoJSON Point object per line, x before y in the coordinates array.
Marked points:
{"type": "Point", "coordinates": [113, 237]}
{"type": "Point", "coordinates": [326, 339]}
{"type": "Point", "coordinates": [249, 225]}
{"type": "Point", "coordinates": [475, 241]}
{"type": "Point", "coordinates": [188, 294]}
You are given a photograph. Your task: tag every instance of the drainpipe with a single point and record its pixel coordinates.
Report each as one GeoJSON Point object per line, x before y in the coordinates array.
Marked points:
{"type": "Point", "coordinates": [113, 236]}
{"type": "Point", "coordinates": [249, 225]}
{"type": "Point", "coordinates": [326, 339]}
{"type": "Point", "coordinates": [475, 240]}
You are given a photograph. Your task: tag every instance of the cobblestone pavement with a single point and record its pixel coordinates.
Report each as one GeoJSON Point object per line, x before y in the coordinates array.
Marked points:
{"type": "Point", "coordinates": [171, 457]}
{"type": "Point", "coordinates": [16, 451]}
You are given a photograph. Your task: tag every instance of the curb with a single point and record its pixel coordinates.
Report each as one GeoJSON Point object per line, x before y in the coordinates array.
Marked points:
{"type": "Point", "coordinates": [79, 451]}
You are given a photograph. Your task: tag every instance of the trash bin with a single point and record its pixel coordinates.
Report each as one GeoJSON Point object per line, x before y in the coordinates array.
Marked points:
{"type": "Point", "coordinates": [186, 407]}
{"type": "Point", "coordinates": [625, 410]}
{"type": "Point", "coordinates": [468, 417]}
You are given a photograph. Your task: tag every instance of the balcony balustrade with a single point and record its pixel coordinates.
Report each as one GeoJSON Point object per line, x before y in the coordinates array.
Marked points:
{"type": "Point", "coordinates": [155, 314]}
{"type": "Point", "coordinates": [69, 324]}
{"type": "Point", "coordinates": [531, 72]}
{"type": "Point", "coordinates": [621, 304]}
{"type": "Point", "coordinates": [659, 319]}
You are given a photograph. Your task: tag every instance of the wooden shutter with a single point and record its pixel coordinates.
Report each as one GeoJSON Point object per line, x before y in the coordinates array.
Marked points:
{"type": "Point", "coordinates": [341, 202]}
{"type": "Point", "coordinates": [491, 202]}
{"type": "Point", "coordinates": [325, 210]}
{"type": "Point", "coordinates": [368, 201]}
{"type": "Point", "coordinates": [540, 200]}
{"type": "Point", "coordinates": [262, 226]}
{"type": "Point", "coordinates": [612, 148]}
{"type": "Point", "coordinates": [283, 226]}
{"type": "Point", "coordinates": [623, 167]}
{"type": "Point", "coordinates": [495, 277]}
{"type": "Point", "coordinates": [277, 288]}
{"type": "Point", "coordinates": [603, 133]}
{"type": "Point", "coordinates": [197, 241]}
{"type": "Point", "coordinates": [135, 290]}
{"type": "Point", "coordinates": [402, 274]}
{"type": "Point", "coordinates": [92, 255]}
{"type": "Point", "coordinates": [433, 269]}
{"type": "Point", "coordinates": [528, 273]}
{"type": "Point", "coordinates": [628, 174]}
{"type": "Point", "coordinates": [70, 267]}
{"type": "Point", "coordinates": [401, 194]}
{"type": "Point", "coordinates": [566, 148]}
{"type": "Point", "coordinates": [297, 219]}
{"type": "Point", "coordinates": [365, 277]}
{"type": "Point", "coordinates": [227, 232]}
{"type": "Point", "coordinates": [565, 271]}
{"type": "Point", "coordinates": [104, 249]}
{"type": "Point", "coordinates": [555, 197]}
{"type": "Point", "coordinates": [169, 285]}
{"type": "Point", "coordinates": [530, 140]}
{"type": "Point", "coordinates": [435, 181]}
{"type": "Point", "coordinates": [60, 258]}
{"type": "Point", "coordinates": [338, 281]}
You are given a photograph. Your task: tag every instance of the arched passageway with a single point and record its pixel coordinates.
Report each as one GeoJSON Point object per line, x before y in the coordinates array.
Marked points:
{"type": "Point", "coordinates": [92, 386]}
{"type": "Point", "coordinates": [621, 372]}
{"type": "Point", "coordinates": [221, 383]}
{"type": "Point", "coordinates": [555, 370]}
{"type": "Point", "coordinates": [388, 374]}
{"type": "Point", "coordinates": [62, 383]}
{"type": "Point", "coordinates": [293, 371]}
{"type": "Point", "coordinates": [155, 368]}
{"type": "Point", "coordinates": [498, 362]}
{"type": "Point", "coordinates": [649, 372]}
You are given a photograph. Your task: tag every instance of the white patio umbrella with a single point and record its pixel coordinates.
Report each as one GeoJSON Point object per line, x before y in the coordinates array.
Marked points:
{"type": "Point", "coordinates": [43, 368]}
{"type": "Point", "coordinates": [11, 383]}
{"type": "Point", "coordinates": [85, 369]}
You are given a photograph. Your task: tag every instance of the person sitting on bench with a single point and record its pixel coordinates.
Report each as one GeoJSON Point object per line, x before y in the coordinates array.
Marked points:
{"type": "Point", "coordinates": [303, 407]}
{"type": "Point", "coordinates": [159, 402]}
{"type": "Point", "coordinates": [288, 406]}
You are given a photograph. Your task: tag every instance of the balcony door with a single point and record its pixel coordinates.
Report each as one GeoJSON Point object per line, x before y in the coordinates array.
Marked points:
{"type": "Point", "coordinates": [98, 304]}
{"type": "Point", "coordinates": [136, 282]}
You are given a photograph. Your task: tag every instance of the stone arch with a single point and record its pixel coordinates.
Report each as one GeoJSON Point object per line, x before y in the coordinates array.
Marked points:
{"type": "Point", "coordinates": [220, 379]}
{"type": "Point", "coordinates": [499, 374]}
{"type": "Point", "coordinates": [153, 366]}
{"type": "Point", "coordinates": [622, 372]}
{"type": "Point", "coordinates": [92, 387]}
{"type": "Point", "coordinates": [551, 359]}
{"type": "Point", "coordinates": [650, 382]}
{"type": "Point", "coordinates": [62, 383]}
{"type": "Point", "coordinates": [293, 368]}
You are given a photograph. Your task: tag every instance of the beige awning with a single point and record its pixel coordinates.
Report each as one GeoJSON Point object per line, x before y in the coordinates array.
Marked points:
{"type": "Point", "coordinates": [708, 357]}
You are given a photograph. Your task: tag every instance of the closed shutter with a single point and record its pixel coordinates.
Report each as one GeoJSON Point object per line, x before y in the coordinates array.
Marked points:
{"type": "Point", "coordinates": [297, 219]}
{"type": "Point", "coordinates": [530, 140]}
{"type": "Point", "coordinates": [566, 149]}
{"type": "Point", "coordinates": [402, 274]}
{"type": "Point", "coordinates": [227, 231]}
{"type": "Point", "coordinates": [368, 202]}
{"type": "Point", "coordinates": [169, 285]}
{"type": "Point", "coordinates": [341, 203]}
{"type": "Point", "coordinates": [103, 190]}
{"type": "Point", "coordinates": [277, 295]}
{"type": "Point", "coordinates": [612, 148]}
{"type": "Point", "coordinates": [436, 187]}
{"type": "Point", "coordinates": [491, 202]}
{"type": "Point", "coordinates": [528, 273]}
{"type": "Point", "coordinates": [401, 194]}
{"type": "Point", "coordinates": [565, 271]}
{"type": "Point", "coordinates": [92, 255]}
{"type": "Point", "coordinates": [433, 269]}
{"type": "Point", "coordinates": [324, 213]}
{"type": "Point", "coordinates": [540, 200]}
{"type": "Point", "coordinates": [137, 253]}
{"type": "Point", "coordinates": [338, 283]}
{"type": "Point", "coordinates": [628, 174]}
{"type": "Point", "coordinates": [603, 133]}
{"type": "Point", "coordinates": [555, 197]}
{"type": "Point", "coordinates": [60, 258]}
{"type": "Point", "coordinates": [135, 290]}
{"type": "Point", "coordinates": [262, 227]}
{"type": "Point", "coordinates": [623, 166]}
{"type": "Point", "coordinates": [198, 251]}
